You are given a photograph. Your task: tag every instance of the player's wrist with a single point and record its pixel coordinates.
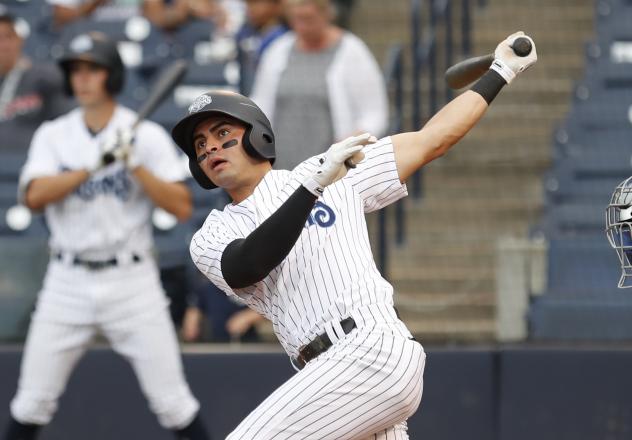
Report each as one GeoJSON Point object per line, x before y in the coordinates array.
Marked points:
{"type": "Point", "coordinates": [503, 69]}
{"type": "Point", "coordinates": [313, 186]}
{"type": "Point", "coordinates": [489, 85]}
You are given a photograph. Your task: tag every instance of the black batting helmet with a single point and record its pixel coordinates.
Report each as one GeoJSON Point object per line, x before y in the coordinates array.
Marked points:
{"type": "Point", "coordinates": [96, 48]}
{"type": "Point", "coordinates": [258, 138]}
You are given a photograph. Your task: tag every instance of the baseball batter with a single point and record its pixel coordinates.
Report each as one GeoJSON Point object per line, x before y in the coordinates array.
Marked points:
{"type": "Point", "coordinates": [98, 188]}
{"type": "Point", "coordinates": [294, 246]}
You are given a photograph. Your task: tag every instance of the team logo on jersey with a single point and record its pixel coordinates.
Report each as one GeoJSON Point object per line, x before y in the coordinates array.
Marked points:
{"type": "Point", "coordinates": [199, 103]}
{"type": "Point", "coordinates": [322, 215]}
{"type": "Point", "coordinates": [117, 184]}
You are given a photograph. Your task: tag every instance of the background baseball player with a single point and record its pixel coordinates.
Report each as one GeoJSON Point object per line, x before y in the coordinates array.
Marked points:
{"type": "Point", "coordinates": [101, 277]}
{"type": "Point", "coordinates": [294, 246]}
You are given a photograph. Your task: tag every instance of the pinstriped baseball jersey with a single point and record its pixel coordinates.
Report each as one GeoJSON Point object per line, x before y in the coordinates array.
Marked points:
{"type": "Point", "coordinates": [330, 271]}
{"type": "Point", "coordinates": [109, 213]}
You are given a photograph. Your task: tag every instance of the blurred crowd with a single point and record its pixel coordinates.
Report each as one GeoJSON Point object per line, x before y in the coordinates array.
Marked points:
{"type": "Point", "coordinates": [317, 82]}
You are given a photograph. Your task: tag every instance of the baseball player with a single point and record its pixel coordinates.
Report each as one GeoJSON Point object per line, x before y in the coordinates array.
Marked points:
{"type": "Point", "coordinates": [98, 187]}
{"type": "Point", "coordinates": [294, 246]}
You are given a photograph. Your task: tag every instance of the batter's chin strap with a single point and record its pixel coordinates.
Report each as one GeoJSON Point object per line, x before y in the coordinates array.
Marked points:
{"type": "Point", "coordinates": [249, 260]}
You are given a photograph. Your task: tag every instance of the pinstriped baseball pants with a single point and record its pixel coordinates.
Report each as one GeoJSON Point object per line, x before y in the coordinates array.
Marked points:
{"type": "Point", "coordinates": [364, 387]}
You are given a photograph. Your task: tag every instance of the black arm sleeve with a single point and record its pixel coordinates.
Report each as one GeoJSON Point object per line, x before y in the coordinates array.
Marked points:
{"type": "Point", "coordinates": [249, 260]}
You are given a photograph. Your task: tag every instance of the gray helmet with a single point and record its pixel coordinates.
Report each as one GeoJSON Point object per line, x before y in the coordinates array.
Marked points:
{"type": "Point", "coordinates": [619, 228]}
{"type": "Point", "coordinates": [96, 48]}
{"type": "Point", "coordinates": [258, 138]}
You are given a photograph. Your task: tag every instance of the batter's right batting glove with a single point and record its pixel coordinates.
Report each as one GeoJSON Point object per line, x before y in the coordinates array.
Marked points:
{"type": "Point", "coordinates": [116, 148]}
{"type": "Point", "coordinates": [333, 167]}
{"type": "Point", "coordinates": [507, 63]}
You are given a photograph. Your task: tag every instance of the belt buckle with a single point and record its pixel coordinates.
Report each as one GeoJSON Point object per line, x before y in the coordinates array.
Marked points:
{"type": "Point", "coordinates": [300, 359]}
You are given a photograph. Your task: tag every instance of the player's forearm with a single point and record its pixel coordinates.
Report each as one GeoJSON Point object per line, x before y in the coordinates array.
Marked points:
{"type": "Point", "coordinates": [415, 149]}
{"type": "Point", "coordinates": [50, 189]}
{"type": "Point", "coordinates": [173, 197]}
{"type": "Point", "coordinates": [248, 261]}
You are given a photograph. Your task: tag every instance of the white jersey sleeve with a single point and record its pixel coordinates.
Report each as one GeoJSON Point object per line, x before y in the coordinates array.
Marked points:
{"type": "Point", "coordinates": [208, 245]}
{"type": "Point", "coordinates": [158, 153]}
{"type": "Point", "coordinates": [376, 179]}
{"type": "Point", "coordinates": [42, 161]}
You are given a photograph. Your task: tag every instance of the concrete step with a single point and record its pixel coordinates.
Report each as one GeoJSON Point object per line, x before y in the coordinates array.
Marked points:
{"type": "Point", "coordinates": [431, 330]}
{"type": "Point", "coordinates": [423, 302]}
{"type": "Point", "coordinates": [448, 281]}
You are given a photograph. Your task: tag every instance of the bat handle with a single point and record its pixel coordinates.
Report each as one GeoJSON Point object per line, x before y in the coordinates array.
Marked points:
{"type": "Point", "coordinates": [521, 46]}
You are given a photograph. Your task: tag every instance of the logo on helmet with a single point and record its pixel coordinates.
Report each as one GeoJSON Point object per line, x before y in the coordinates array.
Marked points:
{"type": "Point", "coordinates": [199, 103]}
{"type": "Point", "coordinates": [82, 43]}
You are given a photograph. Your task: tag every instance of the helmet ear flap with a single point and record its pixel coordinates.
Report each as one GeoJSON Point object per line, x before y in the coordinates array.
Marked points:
{"type": "Point", "coordinates": [199, 176]}
{"type": "Point", "coordinates": [259, 141]}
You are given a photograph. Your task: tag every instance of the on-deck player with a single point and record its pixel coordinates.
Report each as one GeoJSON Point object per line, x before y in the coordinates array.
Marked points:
{"type": "Point", "coordinates": [101, 276]}
{"type": "Point", "coordinates": [294, 246]}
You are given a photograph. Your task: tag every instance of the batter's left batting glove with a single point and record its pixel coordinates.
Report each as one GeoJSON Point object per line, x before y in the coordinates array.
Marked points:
{"type": "Point", "coordinates": [333, 167]}
{"type": "Point", "coordinates": [507, 63]}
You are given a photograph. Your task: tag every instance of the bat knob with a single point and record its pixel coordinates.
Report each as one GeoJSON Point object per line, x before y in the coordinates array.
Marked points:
{"type": "Point", "coordinates": [521, 46]}
{"type": "Point", "coordinates": [108, 158]}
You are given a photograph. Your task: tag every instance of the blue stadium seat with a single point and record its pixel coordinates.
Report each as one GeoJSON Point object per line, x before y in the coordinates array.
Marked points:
{"type": "Point", "coordinates": [8, 192]}
{"type": "Point", "coordinates": [571, 139]}
{"type": "Point", "coordinates": [604, 110]}
{"type": "Point", "coordinates": [582, 300]}
{"type": "Point", "coordinates": [583, 267]}
{"type": "Point", "coordinates": [574, 219]}
{"type": "Point", "coordinates": [10, 165]}
{"type": "Point", "coordinates": [188, 35]}
{"type": "Point", "coordinates": [37, 227]}
{"type": "Point", "coordinates": [589, 177]}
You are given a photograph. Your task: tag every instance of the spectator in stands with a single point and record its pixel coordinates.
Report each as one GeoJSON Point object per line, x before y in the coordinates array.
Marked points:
{"type": "Point", "coordinates": [169, 15]}
{"type": "Point", "coordinates": [318, 85]}
{"type": "Point", "coordinates": [264, 24]}
{"type": "Point", "coordinates": [29, 94]}
{"type": "Point", "coordinates": [228, 320]}
{"type": "Point", "coordinates": [68, 11]}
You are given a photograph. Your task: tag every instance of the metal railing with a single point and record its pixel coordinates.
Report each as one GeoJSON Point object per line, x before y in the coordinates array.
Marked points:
{"type": "Point", "coordinates": [394, 79]}
{"type": "Point", "coordinates": [433, 49]}
{"type": "Point", "coordinates": [429, 18]}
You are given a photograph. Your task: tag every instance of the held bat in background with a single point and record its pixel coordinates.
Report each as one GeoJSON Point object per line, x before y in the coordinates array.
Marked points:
{"type": "Point", "coordinates": [166, 82]}
{"type": "Point", "coordinates": [471, 69]}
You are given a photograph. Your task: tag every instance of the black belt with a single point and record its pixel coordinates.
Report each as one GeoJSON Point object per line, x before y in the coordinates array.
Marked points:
{"type": "Point", "coordinates": [95, 264]}
{"type": "Point", "coordinates": [320, 344]}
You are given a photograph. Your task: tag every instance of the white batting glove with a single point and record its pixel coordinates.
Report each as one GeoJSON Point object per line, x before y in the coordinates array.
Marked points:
{"type": "Point", "coordinates": [127, 152]}
{"type": "Point", "coordinates": [333, 167]}
{"type": "Point", "coordinates": [117, 148]}
{"type": "Point", "coordinates": [507, 63]}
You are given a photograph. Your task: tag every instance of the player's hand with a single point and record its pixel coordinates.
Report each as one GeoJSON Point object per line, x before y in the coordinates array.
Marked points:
{"type": "Point", "coordinates": [117, 148]}
{"type": "Point", "coordinates": [333, 167]}
{"type": "Point", "coordinates": [191, 324]}
{"type": "Point", "coordinates": [507, 63]}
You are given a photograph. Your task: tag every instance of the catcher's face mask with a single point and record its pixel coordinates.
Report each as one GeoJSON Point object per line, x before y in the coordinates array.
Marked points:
{"type": "Point", "coordinates": [619, 228]}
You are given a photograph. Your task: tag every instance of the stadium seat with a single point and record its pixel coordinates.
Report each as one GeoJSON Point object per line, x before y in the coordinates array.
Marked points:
{"type": "Point", "coordinates": [574, 219]}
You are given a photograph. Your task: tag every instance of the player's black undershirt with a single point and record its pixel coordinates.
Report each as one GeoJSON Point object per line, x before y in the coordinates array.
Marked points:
{"type": "Point", "coordinates": [249, 260]}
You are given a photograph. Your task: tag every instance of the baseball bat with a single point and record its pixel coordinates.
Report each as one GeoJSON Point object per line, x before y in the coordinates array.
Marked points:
{"type": "Point", "coordinates": [467, 71]}
{"type": "Point", "coordinates": [163, 86]}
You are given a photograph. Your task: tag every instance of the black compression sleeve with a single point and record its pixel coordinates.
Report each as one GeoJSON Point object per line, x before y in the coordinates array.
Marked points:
{"type": "Point", "coordinates": [249, 260]}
